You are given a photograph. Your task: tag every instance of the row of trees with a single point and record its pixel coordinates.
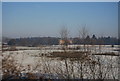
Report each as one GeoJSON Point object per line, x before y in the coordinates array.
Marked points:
{"type": "Point", "coordinates": [85, 38]}
{"type": "Point", "coordinates": [36, 41]}
{"type": "Point", "coordinates": [82, 38]}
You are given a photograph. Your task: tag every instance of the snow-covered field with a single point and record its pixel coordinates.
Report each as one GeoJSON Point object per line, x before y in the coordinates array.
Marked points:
{"type": "Point", "coordinates": [36, 58]}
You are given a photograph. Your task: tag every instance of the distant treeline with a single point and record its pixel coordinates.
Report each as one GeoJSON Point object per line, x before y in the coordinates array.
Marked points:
{"type": "Point", "coordinates": [37, 41]}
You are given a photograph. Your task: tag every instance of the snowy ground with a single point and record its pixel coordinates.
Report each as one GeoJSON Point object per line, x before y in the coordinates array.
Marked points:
{"type": "Point", "coordinates": [34, 56]}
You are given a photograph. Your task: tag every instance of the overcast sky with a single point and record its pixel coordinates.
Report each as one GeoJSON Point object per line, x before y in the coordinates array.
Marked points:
{"type": "Point", "coordinates": [26, 19]}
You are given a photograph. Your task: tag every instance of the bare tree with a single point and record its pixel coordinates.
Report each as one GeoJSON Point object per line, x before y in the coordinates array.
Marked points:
{"type": "Point", "coordinates": [64, 34]}
{"type": "Point", "coordinates": [83, 33]}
